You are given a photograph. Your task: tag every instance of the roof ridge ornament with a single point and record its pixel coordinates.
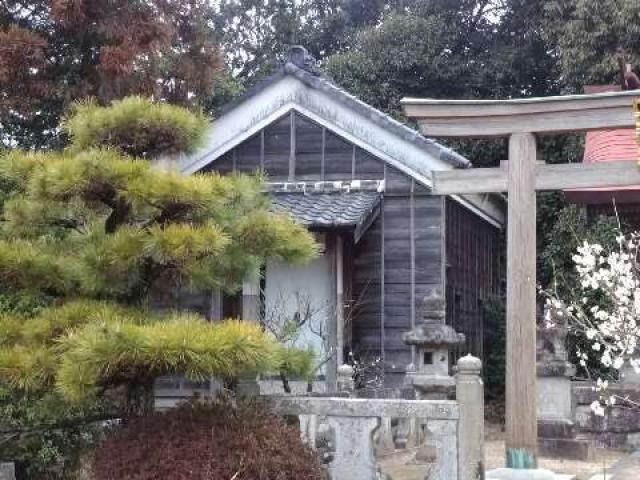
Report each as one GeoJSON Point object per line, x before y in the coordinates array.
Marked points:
{"type": "Point", "coordinates": [301, 58]}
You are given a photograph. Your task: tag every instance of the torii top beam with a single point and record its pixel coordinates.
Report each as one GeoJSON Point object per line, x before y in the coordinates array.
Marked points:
{"type": "Point", "coordinates": [501, 118]}
{"type": "Point", "coordinates": [520, 120]}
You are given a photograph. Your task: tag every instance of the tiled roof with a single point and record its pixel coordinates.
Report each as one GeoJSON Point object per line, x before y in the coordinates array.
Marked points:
{"type": "Point", "coordinates": [608, 146]}
{"type": "Point", "coordinates": [329, 210]}
{"type": "Point", "coordinates": [309, 74]}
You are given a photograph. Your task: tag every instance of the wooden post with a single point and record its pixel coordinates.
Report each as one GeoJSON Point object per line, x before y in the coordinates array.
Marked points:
{"type": "Point", "coordinates": [339, 306]}
{"type": "Point", "coordinates": [215, 310]}
{"type": "Point", "coordinates": [521, 420]}
{"type": "Point", "coordinates": [251, 298]}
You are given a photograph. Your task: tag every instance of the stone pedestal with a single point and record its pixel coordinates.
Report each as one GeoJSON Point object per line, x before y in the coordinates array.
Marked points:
{"type": "Point", "coordinates": [556, 432]}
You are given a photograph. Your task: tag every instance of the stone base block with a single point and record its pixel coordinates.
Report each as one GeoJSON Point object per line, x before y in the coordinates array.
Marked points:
{"type": "Point", "coordinates": [566, 448]}
{"type": "Point", "coordinates": [516, 474]}
{"type": "Point", "coordinates": [556, 428]}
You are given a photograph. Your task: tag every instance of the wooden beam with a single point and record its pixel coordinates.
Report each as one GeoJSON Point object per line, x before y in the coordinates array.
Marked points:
{"type": "Point", "coordinates": [292, 146]}
{"type": "Point", "coordinates": [521, 413]}
{"type": "Point", "coordinates": [500, 118]}
{"type": "Point", "coordinates": [471, 180]}
{"type": "Point", "coordinates": [548, 177]}
{"type": "Point", "coordinates": [339, 305]}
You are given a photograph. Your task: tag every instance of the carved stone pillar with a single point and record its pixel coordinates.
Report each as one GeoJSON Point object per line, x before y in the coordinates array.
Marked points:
{"type": "Point", "coordinates": [354, 456]}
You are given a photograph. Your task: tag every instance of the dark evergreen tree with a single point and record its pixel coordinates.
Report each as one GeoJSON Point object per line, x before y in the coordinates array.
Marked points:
{"type": "Point", "coordinates": [53, 52]}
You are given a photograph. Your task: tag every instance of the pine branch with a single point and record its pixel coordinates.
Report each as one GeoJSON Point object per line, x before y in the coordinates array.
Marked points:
{"type": "Point", "coordinates": [69, 223]}
{"type": "Point", "coordinates": [61, 425]}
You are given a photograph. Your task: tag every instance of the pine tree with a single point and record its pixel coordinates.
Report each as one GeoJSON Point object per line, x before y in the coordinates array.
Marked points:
{"type": "Point", "coordinates": [92, 232]}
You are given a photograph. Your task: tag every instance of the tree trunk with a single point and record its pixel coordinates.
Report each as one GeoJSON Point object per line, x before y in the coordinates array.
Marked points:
{"type": "Point", "coordinates": [285, 382]}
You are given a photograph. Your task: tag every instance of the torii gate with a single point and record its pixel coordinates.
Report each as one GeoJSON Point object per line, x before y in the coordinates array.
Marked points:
{"type": "Point", "coordinates": [523, 174]}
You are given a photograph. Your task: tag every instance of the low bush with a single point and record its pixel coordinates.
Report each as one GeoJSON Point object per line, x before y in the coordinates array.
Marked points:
{"type": "Point", "coordinates": [223, 440]}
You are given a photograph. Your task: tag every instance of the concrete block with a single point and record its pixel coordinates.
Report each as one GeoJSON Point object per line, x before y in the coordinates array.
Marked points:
{"type": "Point", "coordinates": [611, 440]}
{"type": "Point", "coordinates": [584, 418]}
{"type": "Point", "coordinates": [554, 398]}
{"type": "Point", "coordinates": [633, 440]}
{"type": "Point", "coordinates": [566, 448]}
{"type": "Point", "coordinates": [622, 420]}
{"type": "Point", "coordinates": [556, 429]}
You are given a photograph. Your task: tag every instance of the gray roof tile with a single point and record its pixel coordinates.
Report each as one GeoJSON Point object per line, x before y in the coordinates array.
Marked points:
{"type": "Point", "coordinates": [312, 76]}
{"type": "Point", "coordinates": [329, 210]}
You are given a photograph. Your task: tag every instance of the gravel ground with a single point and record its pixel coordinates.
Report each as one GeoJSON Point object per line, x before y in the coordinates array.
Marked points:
{"type": "Point", "coordinates": [402, 465]}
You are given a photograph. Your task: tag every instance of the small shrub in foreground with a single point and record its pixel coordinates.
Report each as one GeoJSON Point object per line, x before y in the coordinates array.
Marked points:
{"type": "Point", "coordinates": [223, 440]}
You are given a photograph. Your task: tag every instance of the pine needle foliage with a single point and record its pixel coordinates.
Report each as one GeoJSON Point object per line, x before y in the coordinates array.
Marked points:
{"type": "Point", "coordinates": [137, 126]}
{"type": "Point", "coordinates": [92, 232]}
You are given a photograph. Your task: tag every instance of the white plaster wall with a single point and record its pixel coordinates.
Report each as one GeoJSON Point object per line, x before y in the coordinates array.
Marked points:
{"type": "Point", "coordinates": [289, 288]}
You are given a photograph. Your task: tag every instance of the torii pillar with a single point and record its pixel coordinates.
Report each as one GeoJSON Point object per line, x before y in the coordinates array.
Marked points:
{"type": "Point", "coordinates": [520, 120]}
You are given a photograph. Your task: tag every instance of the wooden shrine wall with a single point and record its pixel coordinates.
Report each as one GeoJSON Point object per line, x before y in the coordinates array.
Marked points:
{"type": "Point", "coordinates": [396, 263]}
{"type": "Point", "coordinates": [473, 273]}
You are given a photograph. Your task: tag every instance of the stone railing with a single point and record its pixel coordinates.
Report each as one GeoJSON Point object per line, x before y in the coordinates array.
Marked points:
{"type": "Point", "coordinates": [454, 429]}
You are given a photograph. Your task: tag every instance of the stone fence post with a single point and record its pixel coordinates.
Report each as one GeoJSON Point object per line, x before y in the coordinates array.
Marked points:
{"type": "Point", "coordinates": [470, 397]}
{"type": "Point", "coordinates": [345, 381]}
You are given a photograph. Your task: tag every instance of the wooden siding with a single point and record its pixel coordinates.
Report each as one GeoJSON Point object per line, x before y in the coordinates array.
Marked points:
{"type": "Point", "coordinates": [397, 262]}
{"type": "Point", "coordinates": [473, 273]}
{"type": "Point", "coordinates": [318, 154]}
{"type": "Point", "coordinates": [408, 255]}
{"type": "Point", "coordinates": [277, 145]}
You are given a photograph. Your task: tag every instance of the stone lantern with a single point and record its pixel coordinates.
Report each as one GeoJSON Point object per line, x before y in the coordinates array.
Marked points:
{"type": "Point", "coordinates": [432, 339]}
{"type": "Point", "coordinates": [556, 431]}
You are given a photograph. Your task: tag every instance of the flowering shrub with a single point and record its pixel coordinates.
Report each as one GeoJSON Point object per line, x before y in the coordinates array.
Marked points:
{"type": "Point", "coordinates": [606, 309]}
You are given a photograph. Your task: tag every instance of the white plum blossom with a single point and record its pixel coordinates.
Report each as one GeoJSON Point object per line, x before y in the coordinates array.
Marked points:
{"type": "Point", "coordinates": [597, 408]}
{"type": "Point", "coordinates": [611, 325]}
